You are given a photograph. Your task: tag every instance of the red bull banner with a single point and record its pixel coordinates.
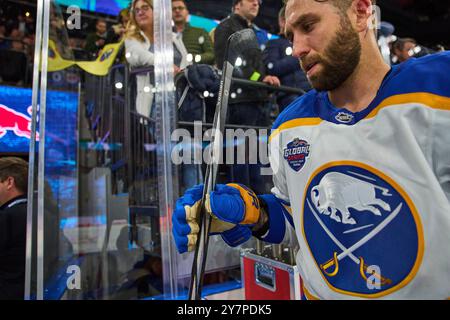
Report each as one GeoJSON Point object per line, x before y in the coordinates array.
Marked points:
{"type": "Point", "coordinates": [15, 120]}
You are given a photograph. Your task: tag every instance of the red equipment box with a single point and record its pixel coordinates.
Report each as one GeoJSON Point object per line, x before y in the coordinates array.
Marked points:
{"type": "Point", "coordinates": [268, 279]}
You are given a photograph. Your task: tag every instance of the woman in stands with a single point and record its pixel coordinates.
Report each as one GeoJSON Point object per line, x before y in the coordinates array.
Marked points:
{"type": "Point", "coordinates": [139, 44]}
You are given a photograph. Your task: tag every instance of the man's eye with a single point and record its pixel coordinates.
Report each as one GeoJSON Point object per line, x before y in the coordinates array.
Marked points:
{"type": "Point", "coordinates": [308, 27]}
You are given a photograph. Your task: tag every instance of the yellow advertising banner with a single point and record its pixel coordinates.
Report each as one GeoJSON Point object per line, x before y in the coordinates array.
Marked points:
{"type": "Point", "coordinates": [99, 67]}
{"type": "Point", "coordinates": [55, 61]}
{"type": "Point", "coordinates": [106, 57]}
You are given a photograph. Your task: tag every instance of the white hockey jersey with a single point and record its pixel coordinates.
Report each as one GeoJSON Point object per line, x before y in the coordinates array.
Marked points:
{"type": "Point", "coordinates": [369, 192]}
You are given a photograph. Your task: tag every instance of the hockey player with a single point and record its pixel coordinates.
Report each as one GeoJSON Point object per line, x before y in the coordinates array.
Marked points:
{"type": "Point", "coordinates": [361, 166]}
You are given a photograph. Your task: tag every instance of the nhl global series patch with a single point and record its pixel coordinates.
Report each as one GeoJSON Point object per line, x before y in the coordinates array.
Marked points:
{"type": "Point", "coordinates": [296, 153]}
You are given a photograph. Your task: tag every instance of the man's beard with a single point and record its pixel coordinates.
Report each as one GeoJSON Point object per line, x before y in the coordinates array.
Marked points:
{"type": "Point", "coordinates": [340, 59]}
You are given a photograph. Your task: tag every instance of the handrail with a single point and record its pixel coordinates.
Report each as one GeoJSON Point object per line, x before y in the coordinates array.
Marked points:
{"type": "Point", "coordinates": [262, 85]}
{"type": "Point", "coordinates": [227, 126]}
{"type": "Point", "coordinates": [244, 82]}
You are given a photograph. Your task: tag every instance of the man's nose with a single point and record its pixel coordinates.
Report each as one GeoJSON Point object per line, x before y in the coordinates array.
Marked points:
{"type": "Point", "coordinates": [300, 47]}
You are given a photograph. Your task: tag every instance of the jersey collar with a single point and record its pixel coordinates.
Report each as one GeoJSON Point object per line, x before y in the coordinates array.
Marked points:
{"type": "Point", "coordinates": [328, 112]}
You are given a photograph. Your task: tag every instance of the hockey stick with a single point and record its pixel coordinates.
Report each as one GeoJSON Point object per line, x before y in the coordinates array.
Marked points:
{"type": "Point", "coordinates": [237, 43]}
{"type": "Point", "coordinates": [262, 85]}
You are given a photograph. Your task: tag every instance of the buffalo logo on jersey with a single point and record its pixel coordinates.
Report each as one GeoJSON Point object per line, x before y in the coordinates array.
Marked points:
{"type": "Point", "coordinates": [296, 153]}
{"type": "Point", "coordinates": [344, 117]}
{"type": "Point", "coordinates": [357, 220]}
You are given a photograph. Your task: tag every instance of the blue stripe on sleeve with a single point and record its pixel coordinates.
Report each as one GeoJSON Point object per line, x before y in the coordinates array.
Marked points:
{"type": "Point", "coordinates": [277, 224]}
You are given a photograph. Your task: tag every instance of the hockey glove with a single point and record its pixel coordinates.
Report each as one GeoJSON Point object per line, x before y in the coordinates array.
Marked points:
{"type": "Point", "coordinates": [234, 209]}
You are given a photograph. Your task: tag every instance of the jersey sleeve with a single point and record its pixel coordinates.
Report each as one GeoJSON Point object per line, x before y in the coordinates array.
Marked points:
{"type": "Point", "coordinates": [277, 204]}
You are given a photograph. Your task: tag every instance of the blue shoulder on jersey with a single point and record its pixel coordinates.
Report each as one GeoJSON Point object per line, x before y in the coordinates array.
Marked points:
{"type": "Point", "coordinates": [302, 107]}
{"type": "Point", "coordinates": [428, 74]}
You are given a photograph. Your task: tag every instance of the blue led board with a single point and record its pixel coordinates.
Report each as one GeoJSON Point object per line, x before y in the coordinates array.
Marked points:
{"type": "Point", "coordinates": [60, 138]}
{"type": "Point", "coordinates": [15, 119]}
{"type": "Point", "coordinates": [111, 7]}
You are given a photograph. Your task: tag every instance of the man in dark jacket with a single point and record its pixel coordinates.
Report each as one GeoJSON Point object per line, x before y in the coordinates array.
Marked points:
{"type": "Point", "coordinates": [13, 220]}
{"type": "Point", "coordinates": [246, 103]}
{"type": "Point", "coordinates": [248, 106]}
{"type": "Point", "coordinates": [280, 62]}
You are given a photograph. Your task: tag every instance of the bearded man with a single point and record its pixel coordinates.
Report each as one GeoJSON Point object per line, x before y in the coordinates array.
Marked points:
{"type": "Point", "coordinates": [361, 166]}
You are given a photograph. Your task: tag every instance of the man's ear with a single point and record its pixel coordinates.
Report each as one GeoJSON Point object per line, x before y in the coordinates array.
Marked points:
{"type": "Point", "coordinates": [10, 183]}
{"type": "Point", "coordinates": [364, 14]}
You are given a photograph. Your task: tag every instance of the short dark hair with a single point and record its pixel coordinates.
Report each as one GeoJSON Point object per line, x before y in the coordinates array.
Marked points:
{"type": "Point", "coordinates": [181, 1]}
{"type": "Point", "coordinates": [16, 168]}
{"type": "Point", "coordinates": [399, 44]}
{"type": "Point", "coordinates": [235, 2]}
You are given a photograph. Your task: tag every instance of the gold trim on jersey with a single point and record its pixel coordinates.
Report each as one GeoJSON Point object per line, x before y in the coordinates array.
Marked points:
{"type": "Point", "coordinates": [428, 99]}
{"type": "Point", "coordinates": [287, 208]}
{"type": "Point", "coordinates": [416, 217]}
{"type": "Point", "coordinates": [295, 123]}
{"type": "Point", "coordinates": [307, 294]}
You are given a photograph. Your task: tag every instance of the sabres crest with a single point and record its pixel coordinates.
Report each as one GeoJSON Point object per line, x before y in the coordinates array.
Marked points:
{"type": "Point", "coordinates": [296, 153]}
{"type": "Point", "coordinates": [362, 229]}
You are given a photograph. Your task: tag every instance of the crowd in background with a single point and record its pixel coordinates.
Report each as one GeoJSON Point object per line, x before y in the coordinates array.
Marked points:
{"type": "Point", "coordinates": [17, 33]}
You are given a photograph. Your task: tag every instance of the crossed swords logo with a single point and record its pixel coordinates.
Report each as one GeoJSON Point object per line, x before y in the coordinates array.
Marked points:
{"type": "Point", "coordinates": [348, 252]}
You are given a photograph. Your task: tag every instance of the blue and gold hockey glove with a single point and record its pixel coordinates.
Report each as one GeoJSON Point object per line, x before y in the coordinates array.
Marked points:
{"type": "Point", "coordinates": [234, 209]}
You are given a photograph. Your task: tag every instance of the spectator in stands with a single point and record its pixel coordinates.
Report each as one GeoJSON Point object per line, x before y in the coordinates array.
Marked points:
{"type": "Point", "coordinates": [16, 34]}
{"type": "Point", "coordinates": [401, 48]}
{"type": "Point", "coordinates": [248, 106]}
{"type": "Point", "coordinates": [16, 40]}
{"type": "Point", "coordinates": [139, 44]}
{"type": "Point", "coordinates": [261, 34]}
{"type": "Point", "coordinates": [13, 221]}
{"type": "Point", "coordinates": [117, 31]}
{"type": "Point", "coordinates": [58, 34]}
{"type": "Point", "coordinates": [196, 40]}
{"type": "Point", "coordinates": [18, 46]}
{"type": "Point", "coordinates": [96, 41]}
{"type": "Point", "coordinates": [406, 48]}
{"type": "Point", "coordinates": [30, 23]}
{"type": "Point", "coordinates": [21, 23]}
{"type": "Point", "coordinates": [439, 48]}
{"type": "Point", "coordinates": [280, 62]}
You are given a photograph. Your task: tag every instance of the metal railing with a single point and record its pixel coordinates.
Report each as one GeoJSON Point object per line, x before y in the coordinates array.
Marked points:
{"type": "Point", "coordinates": [124, 139]}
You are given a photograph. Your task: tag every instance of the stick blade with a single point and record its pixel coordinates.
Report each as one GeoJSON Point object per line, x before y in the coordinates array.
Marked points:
{"type": "Point", "coordinates": [239, 43]}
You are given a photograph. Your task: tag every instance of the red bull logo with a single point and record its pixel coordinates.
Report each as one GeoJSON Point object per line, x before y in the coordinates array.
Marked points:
{"type": "Point", "coordinates": [16, 122]}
